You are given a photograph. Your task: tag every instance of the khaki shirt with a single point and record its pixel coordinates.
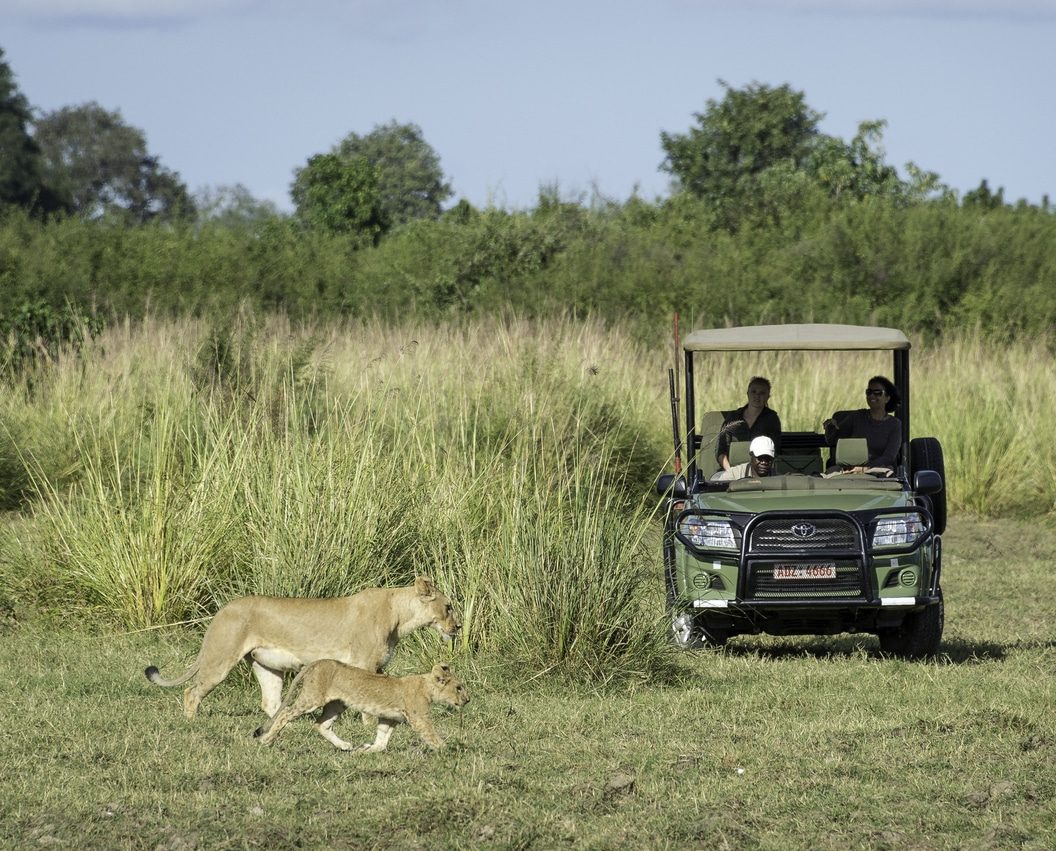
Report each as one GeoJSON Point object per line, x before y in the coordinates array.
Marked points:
{"type": "Point", "coordinates": [738, 471]}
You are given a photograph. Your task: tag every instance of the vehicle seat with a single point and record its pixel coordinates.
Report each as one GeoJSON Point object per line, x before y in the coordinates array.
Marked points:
{"type": "Point", "coordinates": [839, 417]}
{"type": "Point", "coordinates": [708, 430]}
{"type": "Point", "coordinates": [800, 452]}
{"type": "Point", "coordinates": [804, 462]}
{"type": "Point", "coordinates": [738, 453]}
{"type": "Point", "coordinates": [851, 452]}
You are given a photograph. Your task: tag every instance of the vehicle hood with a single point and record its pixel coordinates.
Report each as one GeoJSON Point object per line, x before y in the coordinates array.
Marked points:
{"type": "Point", "coordinates": [772, 497]}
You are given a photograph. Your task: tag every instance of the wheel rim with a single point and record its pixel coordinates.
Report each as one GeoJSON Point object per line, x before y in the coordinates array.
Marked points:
{"type": "Point", "coordinates": [682, 630]}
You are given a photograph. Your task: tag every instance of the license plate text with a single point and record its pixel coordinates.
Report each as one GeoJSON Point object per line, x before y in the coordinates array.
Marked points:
{"type": "Point", "coordinates": [805, 571]}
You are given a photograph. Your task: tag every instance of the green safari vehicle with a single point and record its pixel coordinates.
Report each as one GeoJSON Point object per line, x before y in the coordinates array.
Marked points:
{"type": "Point", "coordinates": [814, 548]}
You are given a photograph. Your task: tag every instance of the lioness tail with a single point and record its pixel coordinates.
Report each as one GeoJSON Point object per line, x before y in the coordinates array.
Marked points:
{"type": "Point", "coordinates": [154, 675]}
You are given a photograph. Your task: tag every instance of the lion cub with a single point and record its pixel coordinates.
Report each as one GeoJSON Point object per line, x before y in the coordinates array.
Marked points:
{"type": "Point", "coordinates": [335, 687]}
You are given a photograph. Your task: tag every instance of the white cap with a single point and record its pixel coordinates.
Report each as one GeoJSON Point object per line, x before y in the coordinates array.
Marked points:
{"type": "Point", "coordinates": [762, 445]}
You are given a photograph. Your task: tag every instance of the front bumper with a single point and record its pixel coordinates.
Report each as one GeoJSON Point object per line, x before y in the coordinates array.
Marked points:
{"type": "Point", "coordinates": [907, 603]}
{"type": "Point", "coordinates": [858, 590]}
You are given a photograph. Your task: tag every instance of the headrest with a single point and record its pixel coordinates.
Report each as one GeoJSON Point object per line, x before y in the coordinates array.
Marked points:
{"type": "Point", "coordinates": [738, 453]}
{"type": "Point", "coordinates": [852, 451]}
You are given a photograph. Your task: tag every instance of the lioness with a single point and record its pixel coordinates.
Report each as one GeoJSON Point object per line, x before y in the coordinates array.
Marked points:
{"type": "Point", "coordinates": [279, 634]}
{"type": "Point", "coordinates": [335, 687]}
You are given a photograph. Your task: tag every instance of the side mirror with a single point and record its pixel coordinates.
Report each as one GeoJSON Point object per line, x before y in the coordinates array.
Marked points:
{"type": "Point", "coordinates": [673, 485]}
{"type": "Point", "coordinates": [927, 482]}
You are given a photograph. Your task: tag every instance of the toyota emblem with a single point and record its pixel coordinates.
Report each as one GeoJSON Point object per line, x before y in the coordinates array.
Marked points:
{"type": "Point", "coordinates": [804, 530]}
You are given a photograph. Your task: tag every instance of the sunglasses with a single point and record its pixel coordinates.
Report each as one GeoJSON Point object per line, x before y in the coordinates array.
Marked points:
{"type": "Point", "coordinates": [870, 391]}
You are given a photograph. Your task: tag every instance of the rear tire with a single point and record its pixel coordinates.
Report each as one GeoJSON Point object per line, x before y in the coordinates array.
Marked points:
{"type": "Point", "coordinates": [926, 454]}
{"type": "Point", "coordinates": [919, 636]}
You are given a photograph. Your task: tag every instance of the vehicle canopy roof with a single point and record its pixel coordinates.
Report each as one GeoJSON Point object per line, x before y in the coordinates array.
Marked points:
{"type": "Point", "coordinates": [806, 337]}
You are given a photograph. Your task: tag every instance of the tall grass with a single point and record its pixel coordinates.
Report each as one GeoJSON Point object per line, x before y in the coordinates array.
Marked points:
{"type": "Point", "coordinates": [501, 459]}
{"type": "Point", "coordinates": [142, 531]}
{"type": "Point", "coordinates": [173, 465]}
{"type": "Point", "coordinates": [992, 407]}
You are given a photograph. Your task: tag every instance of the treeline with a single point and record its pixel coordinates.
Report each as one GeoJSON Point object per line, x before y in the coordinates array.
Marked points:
{"type": "Point", "coordinates": [769, 220]}
{"type": "Point", "coordinates": [926, 267]}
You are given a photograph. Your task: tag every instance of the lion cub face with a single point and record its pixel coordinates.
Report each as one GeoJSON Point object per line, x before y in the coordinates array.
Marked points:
{"type": "Point", "coordinates": [446, 688]}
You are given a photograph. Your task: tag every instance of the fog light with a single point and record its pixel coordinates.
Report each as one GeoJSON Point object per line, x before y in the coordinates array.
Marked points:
{"type": "Point", "coordinates": [907, 578]}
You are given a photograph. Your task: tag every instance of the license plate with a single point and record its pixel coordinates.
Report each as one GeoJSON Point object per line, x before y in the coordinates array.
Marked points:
{"type": "Point", "coordinates": [826, 570]}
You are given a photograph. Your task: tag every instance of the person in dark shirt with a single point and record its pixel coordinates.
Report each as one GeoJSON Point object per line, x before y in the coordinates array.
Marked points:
{"type": "Point", "coordinates": [881, 430]}
{"type": "Point", "coordinates": [753, 420]}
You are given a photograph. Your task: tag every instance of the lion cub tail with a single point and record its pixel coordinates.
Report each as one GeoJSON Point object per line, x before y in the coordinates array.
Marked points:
{"type": "Point", "coordinates": [154, 675]}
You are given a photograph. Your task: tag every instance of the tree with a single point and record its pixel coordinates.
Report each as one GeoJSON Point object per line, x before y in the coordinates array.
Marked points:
{"type": "Point", "coordinates": [759, 151]}
{"type": "Point", "coordinates": [857, 168]}
{"type": "Point", "coordinates": [21, 165]}
{"type": "Point", "coordinates": [339, 195]}
{"type": "Point", "coordinates": [410, 180]}
{"type": "Point", "coordinates": [749, 131]}
{"type": "Point", "coordinates": [102, 167]}
{"type": "Point", "coordinates": [233, 206]}
{"type": "Point", "coordinates": [984, 198]}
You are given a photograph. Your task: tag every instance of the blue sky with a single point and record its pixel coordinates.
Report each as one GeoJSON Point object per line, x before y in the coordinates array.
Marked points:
{"type": "Point", "coordinates": [568, 92]}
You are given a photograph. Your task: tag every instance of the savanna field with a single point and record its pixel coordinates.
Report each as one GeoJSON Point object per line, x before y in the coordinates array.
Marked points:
{"type": "Point", "coordinates": [170, 465]}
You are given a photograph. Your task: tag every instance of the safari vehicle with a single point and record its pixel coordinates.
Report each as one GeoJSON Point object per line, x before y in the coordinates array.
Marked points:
{"type": "Point", "coordinates": [815, 548]}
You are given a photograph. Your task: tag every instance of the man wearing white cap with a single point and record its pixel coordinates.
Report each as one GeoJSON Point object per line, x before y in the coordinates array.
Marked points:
{"type": "Point", "coordinates": [760, 463]}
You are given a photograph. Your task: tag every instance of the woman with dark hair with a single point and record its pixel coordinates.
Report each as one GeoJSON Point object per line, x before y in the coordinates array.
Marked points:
{"type": "Point", "coordinates": [881, 430]}
{"type": "Point", "coordinates": [755, 419]}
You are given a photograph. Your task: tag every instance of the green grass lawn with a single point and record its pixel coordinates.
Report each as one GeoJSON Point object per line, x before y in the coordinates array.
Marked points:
{"type": "Point", "coordinates": [771, 743]}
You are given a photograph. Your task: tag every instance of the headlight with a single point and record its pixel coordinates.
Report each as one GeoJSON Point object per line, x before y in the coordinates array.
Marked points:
{"type": "Point", "coordinates": [897, 531]}
{"type": "Point", "coordinates": [708, 534]}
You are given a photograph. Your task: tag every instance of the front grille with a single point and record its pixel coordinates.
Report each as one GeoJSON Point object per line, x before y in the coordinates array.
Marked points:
{"type": "Point", "coordinates": [787, 534]}
{"type": "Point", "coordinates": [762, 585]}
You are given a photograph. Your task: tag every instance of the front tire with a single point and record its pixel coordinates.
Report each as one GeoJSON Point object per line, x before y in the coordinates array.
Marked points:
{"type": "Point", "coordinates": [919, 636]}
{"type": "Point", "coordinates": [686, 633]}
